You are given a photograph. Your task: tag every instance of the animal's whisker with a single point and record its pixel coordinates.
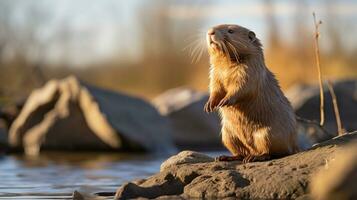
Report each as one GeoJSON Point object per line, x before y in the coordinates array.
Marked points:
{"type": "Point", "coordinates": [193, 48]}
{"type": "Point", "coordinates": [194, 52]}
{"type": "Point", "coordinates": [234, 50]}
{"type": "Point", "coordinates": [197, 51]}
{"type": "Point", "coordinates": [201, 52]}
{"type": "Point", "coordinates": [238, 42]}
{"type": "Point", "coordinates": [191, 44]}
{"type": "Point", "coordinates": [197, 54]}
{"type": "Point", "coordinates": [203, 48]}
{"type": "Point", "coordinates": [225, 50]}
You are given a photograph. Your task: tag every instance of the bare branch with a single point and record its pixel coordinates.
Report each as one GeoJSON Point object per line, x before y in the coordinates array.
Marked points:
{"type": "Point", "coordinates": [317, 55]}
{"type": "Point", "coordinates": [335, 107]}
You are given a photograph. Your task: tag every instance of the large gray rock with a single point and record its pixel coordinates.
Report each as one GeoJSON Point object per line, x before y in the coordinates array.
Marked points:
{"type": "Point", "coordinates": [183, 176]}
{"type": "Point", "coordinates": [306, 103]}
{"type": "Point", "coordinates": [70, 115]}
{"type": "Point", "coordinates": [193, 128]}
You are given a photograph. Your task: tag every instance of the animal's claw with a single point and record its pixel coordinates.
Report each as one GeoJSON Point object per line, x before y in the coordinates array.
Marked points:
{"type": "Point", "coordinates": [223, 102]}
{"type": "Point", "coordinates": [227, 158]}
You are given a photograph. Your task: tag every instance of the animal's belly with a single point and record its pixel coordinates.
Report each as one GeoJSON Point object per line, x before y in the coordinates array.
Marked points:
{"type": "Point", "coordinates": [237, 127]}
{"type": "Point", "coordinates": [255, 137]}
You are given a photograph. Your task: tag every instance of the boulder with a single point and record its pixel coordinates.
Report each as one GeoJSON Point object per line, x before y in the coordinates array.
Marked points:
{"type": "Point", "coordinates": [310, 133]}
{"type": "Point", "coordinates": [305, 100]}
{"type": "Point", "coordinates": [338, 179]}
{"type": "Point", "coordinates": [190, 175]}
{"type": "Point", "coordinates": [193, 128]}
{"type": "Point", "coordinates": [70, 115]}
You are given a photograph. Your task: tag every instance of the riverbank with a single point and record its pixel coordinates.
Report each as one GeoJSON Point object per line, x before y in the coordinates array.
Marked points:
{"type": "Point", "coordinates": [194, 175]}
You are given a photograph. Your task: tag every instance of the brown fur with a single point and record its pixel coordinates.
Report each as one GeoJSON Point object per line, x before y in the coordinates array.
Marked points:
{"type": "Point", "coordinates": [257, 119]}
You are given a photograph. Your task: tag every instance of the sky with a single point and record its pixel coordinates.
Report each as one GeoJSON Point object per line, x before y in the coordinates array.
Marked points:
{"type": "Point", "coordinates": [98, 24]}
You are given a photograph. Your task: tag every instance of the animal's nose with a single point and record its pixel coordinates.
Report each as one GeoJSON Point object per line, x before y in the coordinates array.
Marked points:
{"type": "Point", "coordinates": [210, 31]}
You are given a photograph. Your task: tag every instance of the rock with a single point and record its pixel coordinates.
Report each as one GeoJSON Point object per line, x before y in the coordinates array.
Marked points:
{"type": "Point", "coordinates": [185, 157]}
{"type": "Point", "coordinates": [9, 113]}
{"type": "Point", "coordinates": [338, 179]}
{"type": "Point", "coordinates": [188, 178]}
{"type": "Point", "coordinates": [310, 133]}
{"type": "Point", "coordinates": [193, 128]}
{"type": "Point", "coordinates": [3, 137]}
{"type": "Point", "coordinates": [306, 103]}
{"type": "Point", "coordinates": [3, 140]}
{"type": "Point", "coordinates": [70, 115]}
{"type": "Point", "coordinates": [87, 195]}
{"type": "Point", "coordinates": [77, 196]}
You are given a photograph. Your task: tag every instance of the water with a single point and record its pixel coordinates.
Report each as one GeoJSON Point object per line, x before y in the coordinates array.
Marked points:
{"type": "Point", "coordinates": [58, 175]}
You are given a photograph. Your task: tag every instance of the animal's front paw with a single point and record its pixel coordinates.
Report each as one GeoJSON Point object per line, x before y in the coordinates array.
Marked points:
{"type": "Point", "coordinates": [228, 158]}
{"type": "Point", "coordinates": [258, 158]}
{"type": "Point", "coordinates": [211, 105]}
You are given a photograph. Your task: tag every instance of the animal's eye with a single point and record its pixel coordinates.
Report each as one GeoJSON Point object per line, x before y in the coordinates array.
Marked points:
{"type": "Point", "coordinates": [230, 31]}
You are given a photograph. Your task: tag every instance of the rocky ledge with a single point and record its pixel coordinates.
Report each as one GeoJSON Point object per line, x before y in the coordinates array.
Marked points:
{"type": "Point", "coordinates": [194, 175]}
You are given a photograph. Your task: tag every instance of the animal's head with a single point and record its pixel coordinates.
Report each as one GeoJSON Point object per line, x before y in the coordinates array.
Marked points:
{"type": "Point", "coordinates": [232, 42]}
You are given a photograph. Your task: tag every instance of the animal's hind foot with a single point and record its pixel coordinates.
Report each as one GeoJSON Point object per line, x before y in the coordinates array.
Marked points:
{"type": "Point", "coordinates": [228, 158]}
{"type": "Point", "coordinates": [253, 158]}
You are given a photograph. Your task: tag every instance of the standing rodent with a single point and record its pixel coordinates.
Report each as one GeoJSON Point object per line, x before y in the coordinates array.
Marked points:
{"type": "Point", "coordinates": [258, 122]}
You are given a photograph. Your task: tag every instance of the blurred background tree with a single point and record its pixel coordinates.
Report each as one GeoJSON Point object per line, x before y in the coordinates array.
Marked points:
{"type": "Point", "coordinates": [138, 47]}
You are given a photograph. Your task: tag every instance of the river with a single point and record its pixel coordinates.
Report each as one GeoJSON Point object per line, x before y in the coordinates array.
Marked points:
{"type": "Point", "coordinates": [57, 175]}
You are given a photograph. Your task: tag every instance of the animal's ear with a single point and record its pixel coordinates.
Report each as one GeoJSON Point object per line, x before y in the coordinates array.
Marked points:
{"type": "Point", "coordinates": [251, 36]}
